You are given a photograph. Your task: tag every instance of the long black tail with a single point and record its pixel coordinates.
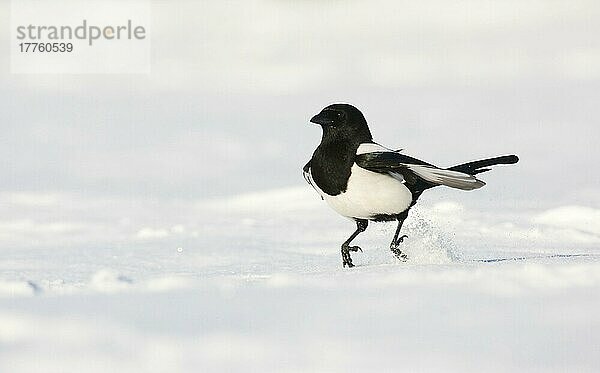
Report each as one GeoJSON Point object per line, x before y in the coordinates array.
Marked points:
{"type": "Point", "coordinates": [477, 167]}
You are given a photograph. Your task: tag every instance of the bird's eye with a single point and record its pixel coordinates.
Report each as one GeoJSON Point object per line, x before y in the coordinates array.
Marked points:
{"type": "Point", "coordinates": [339, 114]}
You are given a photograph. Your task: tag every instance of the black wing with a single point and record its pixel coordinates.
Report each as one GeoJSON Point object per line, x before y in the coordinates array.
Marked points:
{"type": "Point", "coordinates": [394, 164]}
{"type": "Point", "coordinates": [418, 175]}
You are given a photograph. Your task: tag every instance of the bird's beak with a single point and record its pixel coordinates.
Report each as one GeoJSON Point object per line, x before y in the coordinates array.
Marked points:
{"type": "Point", "coordinates": [320, 119]}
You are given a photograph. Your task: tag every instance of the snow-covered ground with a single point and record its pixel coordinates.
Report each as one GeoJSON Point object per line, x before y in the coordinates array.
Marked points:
{"type": "Point", "coordinates": [130, 241]}
{"type": "Point", "coordinates": [254, 283]}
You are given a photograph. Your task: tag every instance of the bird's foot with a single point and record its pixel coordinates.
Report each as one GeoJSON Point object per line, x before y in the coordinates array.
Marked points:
{"type": "Point", "coordinates": [400, 255]}
{"type": "Point", "coordinates": [346, 259]}
{"type": "Point", "coordinates": [397, 252]}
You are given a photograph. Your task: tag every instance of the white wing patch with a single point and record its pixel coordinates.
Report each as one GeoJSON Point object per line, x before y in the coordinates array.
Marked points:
{"type": "Point", "coordinates": [371, 147]}
{"type": "Point", "coordinates": [453, 179]}
{"type": "Point", "coordinates": [397, 176]}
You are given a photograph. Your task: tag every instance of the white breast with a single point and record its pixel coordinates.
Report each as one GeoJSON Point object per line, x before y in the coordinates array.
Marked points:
{"type": "Point", "coordinates": [369, 194]}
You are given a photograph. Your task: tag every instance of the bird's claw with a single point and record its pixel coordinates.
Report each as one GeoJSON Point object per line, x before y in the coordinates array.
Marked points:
{"type": "Point", "coordinates": [397, 252]}
{"type": "Point", "coordinates": [346, 259]}
{"type": "Point", "coordinates": [400, 255]}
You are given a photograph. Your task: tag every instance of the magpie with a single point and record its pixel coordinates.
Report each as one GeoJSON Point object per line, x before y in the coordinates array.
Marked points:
{"type": "Point", "coordinates": [364, 181]}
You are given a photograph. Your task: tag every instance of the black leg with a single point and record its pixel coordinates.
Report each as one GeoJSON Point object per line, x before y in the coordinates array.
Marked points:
{"type": "Point", "coordinates": [396, 241]}
{"type": "Point", "coordinates": [361, 226]}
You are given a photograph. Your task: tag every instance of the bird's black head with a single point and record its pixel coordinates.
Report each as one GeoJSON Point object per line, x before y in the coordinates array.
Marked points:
{"type": "Point", "coordinates": [343, 121]}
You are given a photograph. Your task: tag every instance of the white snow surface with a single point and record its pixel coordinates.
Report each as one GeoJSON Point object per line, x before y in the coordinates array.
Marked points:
{"type": "Point", "coordinates": [254, 283]}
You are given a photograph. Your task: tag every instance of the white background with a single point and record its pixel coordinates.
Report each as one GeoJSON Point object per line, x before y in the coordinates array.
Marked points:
{"type": "Point", "coordinates": [104, 177]}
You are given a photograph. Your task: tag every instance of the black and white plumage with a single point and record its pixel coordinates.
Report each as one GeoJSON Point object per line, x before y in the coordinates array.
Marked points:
{"type": "Point", "coordinates": [365, 181]}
